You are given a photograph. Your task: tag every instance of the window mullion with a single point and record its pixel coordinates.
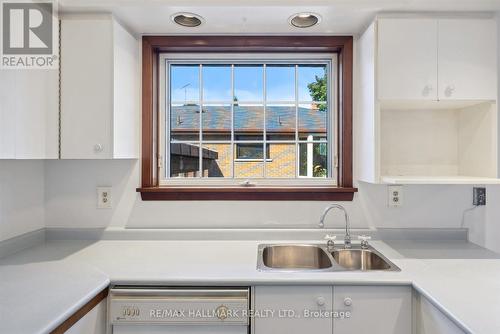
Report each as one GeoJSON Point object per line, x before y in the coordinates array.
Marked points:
{"type": "Point", "coordinates": [297, 153]}
{"type": "Point", "coordinates": [200, 130]}
{"type": "Point", "coordinates": [264, 151]}
{"type": "Point", "coordinates": [232, 123]}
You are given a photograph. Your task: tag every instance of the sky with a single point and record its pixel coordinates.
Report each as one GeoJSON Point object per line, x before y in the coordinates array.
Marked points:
{"type": "Point", "coordinates": [248, 82]}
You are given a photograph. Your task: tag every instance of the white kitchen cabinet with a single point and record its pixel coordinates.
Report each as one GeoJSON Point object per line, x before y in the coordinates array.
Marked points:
{"type": "Point", "coordinates": [467, 59]}
{"type": "Point", "coordinates": [447, 137]}
{"type": "Point", "coordinates": [289, 304]}
{"type": "Point", "coordinates": [373, 309]}
{"type": "Point", "coordinates": [430, 320]}
{"type": "Point", "coordinates": [93, 322]}
{"type": "Point", "coordinates": [99, 89]}
{"type": "Point", "coordinates": [407, 59]}
{"type": "Point", "coordinates": [29, 111]}
{"type": "Point", "coordinates": [436, 59]}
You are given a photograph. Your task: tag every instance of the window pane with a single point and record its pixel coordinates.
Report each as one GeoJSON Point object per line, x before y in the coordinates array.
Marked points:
{"type": "Point", "coordinates": [312, 83]}
{"type": "Point", "coordinates": [218, 114]}
{"type": "Point", "coordinates": [281, 161]}
{"type": "Point", "coordinates": [217, 83]}
{"type": "Point", "coordinates": [248, 83]}
{"type": "Point", "coordinates": [184, 83]}
{"type": "Point", "coordinates": [313, 120]}
{"type": "Point", "coordinates": [251, 151]}
{"type": "Point", "coordinates": [184, 122]}
{"type": "Point", "coordinates": [217, 160]}
{"type": "Point", "coordinates": [280, 122]}
{"type": "Point", "coordinates": [184, 160]}
{"type": "Point", "coordinates": [249, 121]}
{"type": "Point", "coordinates": [251, 168]}
{"type": "Point", "coordinates": [280, 83]}
{"type": "Point", "coordinates": [313, 160]}
{"type": "Point", "coordinates": [216, 121]}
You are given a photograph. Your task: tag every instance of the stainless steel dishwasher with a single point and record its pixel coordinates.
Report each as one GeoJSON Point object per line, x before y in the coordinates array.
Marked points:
{"type": "Point", "coordinates": [154, 310]}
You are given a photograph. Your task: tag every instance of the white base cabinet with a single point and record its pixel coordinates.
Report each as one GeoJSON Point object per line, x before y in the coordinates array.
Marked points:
{"type": "Point", "coordinates": [99, 89]}
{"type": "Point", "coordinates": [373, 309]}
{"type": "Point", "coordinates": [93, 322]}
{"type": "Point", "coordinates": [430, 320]}
{"type": "Point", "coordinates": [337, 310]}
{"type": "Point", "coordinates": [281, 309]}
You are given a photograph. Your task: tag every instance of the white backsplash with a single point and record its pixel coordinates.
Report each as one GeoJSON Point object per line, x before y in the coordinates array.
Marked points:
{"type": "Point", "coordinates": [21, 197]}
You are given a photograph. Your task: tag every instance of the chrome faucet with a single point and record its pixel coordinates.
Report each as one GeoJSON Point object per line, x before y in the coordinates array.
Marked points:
{"type": "Point", "coordinates": [347, 238]}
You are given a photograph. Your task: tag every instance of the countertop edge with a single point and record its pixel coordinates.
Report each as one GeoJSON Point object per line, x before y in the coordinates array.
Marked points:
{"type": "Point", "coordinates": [73, 309]}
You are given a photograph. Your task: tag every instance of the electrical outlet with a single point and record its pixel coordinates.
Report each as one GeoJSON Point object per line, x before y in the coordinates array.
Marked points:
{"type": "Point", "coordinates": [104, 198]}
{"type": "Point", "coordinates": [478, 196]}
{"type": "Point", "coordinates": [395, 194]}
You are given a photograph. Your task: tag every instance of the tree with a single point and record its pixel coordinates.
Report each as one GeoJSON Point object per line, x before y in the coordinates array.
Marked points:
{"type": "Point", "coordinates": [318, 91]}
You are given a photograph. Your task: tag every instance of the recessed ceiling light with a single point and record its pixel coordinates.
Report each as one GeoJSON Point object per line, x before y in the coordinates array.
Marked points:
{"type": "Point", "coordinates": [304, 20]}
{"type": "Point", "coordinates": [187, 19]}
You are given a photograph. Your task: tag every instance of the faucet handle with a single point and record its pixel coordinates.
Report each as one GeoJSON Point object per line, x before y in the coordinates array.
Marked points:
{"type": "Point", "coordinates": [330, 241]}
{"type": "Point", "coordinates": [364, 240]}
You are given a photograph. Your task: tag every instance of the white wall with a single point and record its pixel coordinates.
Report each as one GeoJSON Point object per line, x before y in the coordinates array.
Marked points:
{"type": "Point", "coordinates": [71, 202]}
{"type": "Point", "coordinates": [68, 190]}
{"type": "Point", "coordinates": [21, 197]}
{"type": "Point", "coordinates": [492, 216]}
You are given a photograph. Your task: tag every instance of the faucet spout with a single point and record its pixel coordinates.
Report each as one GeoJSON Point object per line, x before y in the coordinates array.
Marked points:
{"type": "Point", "coordinates": [347, 238]}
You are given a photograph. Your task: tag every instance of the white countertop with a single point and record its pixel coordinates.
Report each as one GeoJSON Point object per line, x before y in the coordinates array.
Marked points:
{"type": "Point", "coordinates": [52, 281]}
{"type": "Point", "coordinates": [37, 297]}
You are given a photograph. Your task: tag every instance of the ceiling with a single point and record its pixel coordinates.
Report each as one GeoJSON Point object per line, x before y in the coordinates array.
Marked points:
{"type": "Point", "coordinates": [263, 16]}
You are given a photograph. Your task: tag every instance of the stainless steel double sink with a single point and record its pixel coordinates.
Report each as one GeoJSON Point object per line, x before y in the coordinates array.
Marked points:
{"type": "Point", "coordinates": [309, 257]}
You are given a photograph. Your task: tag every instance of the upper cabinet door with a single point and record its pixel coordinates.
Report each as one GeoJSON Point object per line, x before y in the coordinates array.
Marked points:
{"type": "Point", "coordinates": [29, 114]}
{"type": "Point", "coordinates": [407, 59]}
{"type": "Point", "coordinates": [86, 88]}
{"type": "Point", "coordinates": [99, 89]}
{"type": "Point", "coordinates": [467, 59]}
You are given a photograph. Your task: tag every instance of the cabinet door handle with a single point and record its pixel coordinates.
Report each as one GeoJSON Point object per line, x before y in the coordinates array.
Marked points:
{"type": "Point", "coordinates": [427, 90]}
{"type": "Point", "coordinates": [347, 301]}
{"type": "Point", "coordinates": [98, 148]}
{"type": "Point", "coordinates": [449, 90]}
{"type": "Point", "coordinates": [320, 301]}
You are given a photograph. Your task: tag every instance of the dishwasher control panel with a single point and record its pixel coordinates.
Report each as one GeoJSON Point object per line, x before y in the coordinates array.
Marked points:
{"type": "Point", "coordinates": [179, 306]}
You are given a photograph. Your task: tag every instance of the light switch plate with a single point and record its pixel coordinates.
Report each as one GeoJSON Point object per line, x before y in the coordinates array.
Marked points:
{"type": "Point", "coordinates": [104, 198]}
{"type": "Point", "coordinates": [395, 196]}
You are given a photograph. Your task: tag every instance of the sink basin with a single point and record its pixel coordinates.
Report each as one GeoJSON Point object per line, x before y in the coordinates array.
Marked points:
{"type": "Point", "coordinates": [318, 258]}
{"type": "Point", "coordinates": [303, 257]}
{"type": "Point", "coordinates": [360, 259]}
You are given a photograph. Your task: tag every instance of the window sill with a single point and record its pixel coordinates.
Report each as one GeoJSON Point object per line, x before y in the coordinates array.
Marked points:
{"type": "Point", "coordinates": [247, 193]}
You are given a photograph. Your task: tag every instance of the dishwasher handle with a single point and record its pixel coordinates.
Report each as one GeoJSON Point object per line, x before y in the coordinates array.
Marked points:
{"type": "Point", "coordinates": [181, 293]}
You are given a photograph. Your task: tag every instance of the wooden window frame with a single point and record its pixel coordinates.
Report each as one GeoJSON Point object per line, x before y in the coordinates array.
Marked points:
{"type": "Point", "coordinates": [153, 46]}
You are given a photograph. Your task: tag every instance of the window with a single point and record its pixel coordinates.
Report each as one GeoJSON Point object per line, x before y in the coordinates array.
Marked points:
{"type": "Point", "coordinates": [240, 118]}
{"type": "Point", "coordinates": [220, 112]}
{"type": "Point", "coordinates": [251, 151]}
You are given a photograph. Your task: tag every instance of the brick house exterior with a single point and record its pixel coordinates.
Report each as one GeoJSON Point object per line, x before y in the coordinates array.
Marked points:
{"type": "Point", "coordinates": [248, 125]}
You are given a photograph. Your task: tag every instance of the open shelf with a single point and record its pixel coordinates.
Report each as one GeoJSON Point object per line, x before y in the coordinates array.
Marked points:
{"type": "Point", "coordinates": [439, 180]}
{"type": "Point", "coordinates": [455, 145]}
